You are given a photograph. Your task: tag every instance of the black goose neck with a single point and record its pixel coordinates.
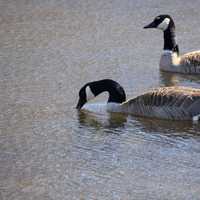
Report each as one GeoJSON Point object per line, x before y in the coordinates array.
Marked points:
{"type": "Point", "coordinates": [114, 89]}
{"type": "Point", "coordinates": [170, 38]}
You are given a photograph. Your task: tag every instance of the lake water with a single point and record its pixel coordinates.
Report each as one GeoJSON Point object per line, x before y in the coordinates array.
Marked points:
{"type": "Point", "coordinates": [48, 150]}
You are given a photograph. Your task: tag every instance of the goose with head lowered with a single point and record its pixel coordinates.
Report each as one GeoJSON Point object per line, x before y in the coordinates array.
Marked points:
{"type": "Point", "coordinates": [170, 60]}
{"type": "Point", "coordinates": [173, 103]}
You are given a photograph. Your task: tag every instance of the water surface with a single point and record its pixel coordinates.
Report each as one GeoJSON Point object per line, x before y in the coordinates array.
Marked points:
{"type": "Point", "coordinates": [48, 150]}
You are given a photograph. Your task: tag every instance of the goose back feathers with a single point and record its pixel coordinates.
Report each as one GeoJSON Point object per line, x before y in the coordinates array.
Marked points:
{"type": "Point", "coordinates": [174, 103]}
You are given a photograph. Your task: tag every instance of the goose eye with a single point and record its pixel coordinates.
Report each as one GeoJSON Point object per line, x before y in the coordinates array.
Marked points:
{"type": "Point", "coordinates": [157, 18]}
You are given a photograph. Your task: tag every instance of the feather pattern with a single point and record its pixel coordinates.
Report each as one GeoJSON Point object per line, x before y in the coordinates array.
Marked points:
{"type": "Point", "coordinates": [175, 103]}
{"type": "Point", "coordinates": [191, 62]}
{"type": "Point", "coordinates": [187, 64]}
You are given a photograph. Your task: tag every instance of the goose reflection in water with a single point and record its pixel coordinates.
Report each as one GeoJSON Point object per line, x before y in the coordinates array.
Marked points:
{"type": "Point", "coordinates": [175, 79]}
{"type": "Point", "coordinates": [169, 128]}
{"type": "Point", "coordinates": [114, 122]}
{"type": "Point", "coordinates": [102, 120]}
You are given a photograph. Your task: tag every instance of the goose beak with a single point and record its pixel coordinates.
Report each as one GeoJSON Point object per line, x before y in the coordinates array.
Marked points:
{"type": "Point", "coordinates": [80, 104]}
{"type": "Point", "coordinates": [151, 25]}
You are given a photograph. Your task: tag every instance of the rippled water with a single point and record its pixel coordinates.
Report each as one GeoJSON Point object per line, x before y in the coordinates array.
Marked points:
{"type": "Point", "coordinates": [48, 150]}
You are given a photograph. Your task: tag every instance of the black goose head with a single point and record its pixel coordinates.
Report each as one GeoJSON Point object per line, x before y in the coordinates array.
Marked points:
{"type": "Point", "coordinates": [92, 89]}
{"type": "Point", "coordinates": [166, 24]}
{"type": "Point", "coordinates": [162, 22]}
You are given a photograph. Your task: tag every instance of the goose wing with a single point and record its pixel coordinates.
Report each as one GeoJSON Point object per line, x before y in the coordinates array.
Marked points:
{"type": "Point", "coordinates": [191, 61]}
{"type": "Point", "coordinates": [176, 103]}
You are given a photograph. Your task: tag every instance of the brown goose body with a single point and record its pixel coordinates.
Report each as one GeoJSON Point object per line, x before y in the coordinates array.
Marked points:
{"type": "Point", "coordinates": [187, 64]}
{"type": "Point", "coordinates": [174, 103]}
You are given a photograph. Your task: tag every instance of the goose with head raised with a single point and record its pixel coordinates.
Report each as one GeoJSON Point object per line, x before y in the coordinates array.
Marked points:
{"type": "Point", "coordinates": [170, 60]}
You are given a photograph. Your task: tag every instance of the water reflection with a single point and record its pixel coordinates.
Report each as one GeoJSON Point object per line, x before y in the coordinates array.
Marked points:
{"type": "Point", "coordinates": [108, 120]}
{"type": "Point", "coordinates": [183, 129]}
{"type": "Point", "coordinates": [116, 121]}
{"type": "Point", "coordinates": [175, 79]}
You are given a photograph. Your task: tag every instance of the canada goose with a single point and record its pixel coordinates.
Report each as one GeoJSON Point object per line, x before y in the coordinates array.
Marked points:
{"type": "Point", "coordinates": [174, 103]}
{"type": "Point", "coordinates": [170, 59]}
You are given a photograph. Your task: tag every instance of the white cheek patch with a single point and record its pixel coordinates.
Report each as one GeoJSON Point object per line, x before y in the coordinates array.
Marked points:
{"type": "Point", "coordinates": [89, 94]}
{"type": "Point", "coordinates": [164, 25]}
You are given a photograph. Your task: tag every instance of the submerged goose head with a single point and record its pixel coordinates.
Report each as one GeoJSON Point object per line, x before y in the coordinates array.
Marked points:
{"type": "Point", "coordinates": [162, 22]}
{"type": "Point", "coordinates": [92, 89]}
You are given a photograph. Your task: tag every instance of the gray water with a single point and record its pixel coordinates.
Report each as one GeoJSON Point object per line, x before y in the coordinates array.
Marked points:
{"type": "Point", "coordinates": [48, 150]}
